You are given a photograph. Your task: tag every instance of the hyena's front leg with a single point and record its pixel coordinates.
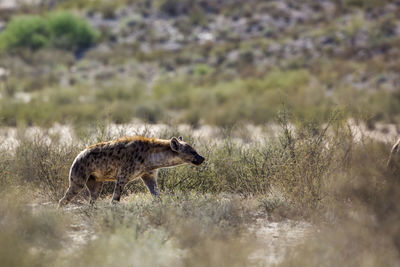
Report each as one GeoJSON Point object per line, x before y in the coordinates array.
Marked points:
{"type": "Point", "coordinates": [121, 182]}
{"type": "Point", "coordinates": [150, 179]}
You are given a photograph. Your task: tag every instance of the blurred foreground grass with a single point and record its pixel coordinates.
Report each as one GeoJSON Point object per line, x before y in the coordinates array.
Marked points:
{"type": "Point", "coordinates": [183, 230]}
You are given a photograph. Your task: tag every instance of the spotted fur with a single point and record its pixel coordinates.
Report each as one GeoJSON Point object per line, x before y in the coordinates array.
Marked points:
{"type": "Point", "coordinates": [123, 160]}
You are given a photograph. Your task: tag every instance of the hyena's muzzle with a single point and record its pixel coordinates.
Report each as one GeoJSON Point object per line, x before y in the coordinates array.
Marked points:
{"type": "Point", "coordinates": [197, 160]}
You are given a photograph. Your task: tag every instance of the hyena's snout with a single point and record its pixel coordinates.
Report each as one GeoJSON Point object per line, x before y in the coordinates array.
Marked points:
{"type": "Point", "coordinates": [198, 160]}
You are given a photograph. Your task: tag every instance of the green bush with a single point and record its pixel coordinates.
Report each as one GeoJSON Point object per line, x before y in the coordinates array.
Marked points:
{"type": "Point", "coordinates": [59, 30]}
{"type": "Point", "coordinates": [25, 32]}
{"type": "Point", "coordinates": [71, 32]}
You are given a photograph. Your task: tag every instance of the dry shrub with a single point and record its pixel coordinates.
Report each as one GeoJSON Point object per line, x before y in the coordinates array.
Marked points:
{"type": "Point", "coordinates": [43, 162]}
{"type": "Point", "coordinates": [229, 167]}
{"type": "Point", "coordinates": [364, 228]}
{"type": "Point", "coordinates": [302, 165]}
{"type": "Point", "coordinates": [376, 188]}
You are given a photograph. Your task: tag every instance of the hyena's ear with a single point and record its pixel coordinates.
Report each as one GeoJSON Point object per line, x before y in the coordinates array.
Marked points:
{"type": "Point", "coordinates": [175, 145]}
{"type": "Point", "coordinates": [180, 138]}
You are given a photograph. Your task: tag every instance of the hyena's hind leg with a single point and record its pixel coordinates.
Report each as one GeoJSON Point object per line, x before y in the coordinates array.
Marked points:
{"type": "Point", "coordinates": [94, 188]}
{"type": "Point", "coordinates": [122, 180]}
{"type": "Point", "coordinates": [75, 187]}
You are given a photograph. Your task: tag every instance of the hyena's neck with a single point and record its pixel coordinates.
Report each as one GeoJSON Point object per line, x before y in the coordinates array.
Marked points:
{"type": "Point", "coordinates": [163, 159]}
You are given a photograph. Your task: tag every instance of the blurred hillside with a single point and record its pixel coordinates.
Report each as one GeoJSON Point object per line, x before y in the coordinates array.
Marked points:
{"type": "Point", "coordinates": [206, 61]}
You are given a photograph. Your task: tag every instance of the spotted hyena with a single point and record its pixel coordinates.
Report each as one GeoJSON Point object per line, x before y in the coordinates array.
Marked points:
{"type": "Point", "coordinates": [123, 160]}
{"type": "Point", "coordinates": [394, 155]}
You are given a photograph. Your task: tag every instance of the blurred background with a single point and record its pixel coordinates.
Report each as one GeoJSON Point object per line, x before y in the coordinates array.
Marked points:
{"type": "Point", "coordinates": [204, 62]}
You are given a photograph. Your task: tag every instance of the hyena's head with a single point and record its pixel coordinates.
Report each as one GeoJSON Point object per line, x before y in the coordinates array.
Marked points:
{"type": "Point", "coordinates": [185, 151]}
